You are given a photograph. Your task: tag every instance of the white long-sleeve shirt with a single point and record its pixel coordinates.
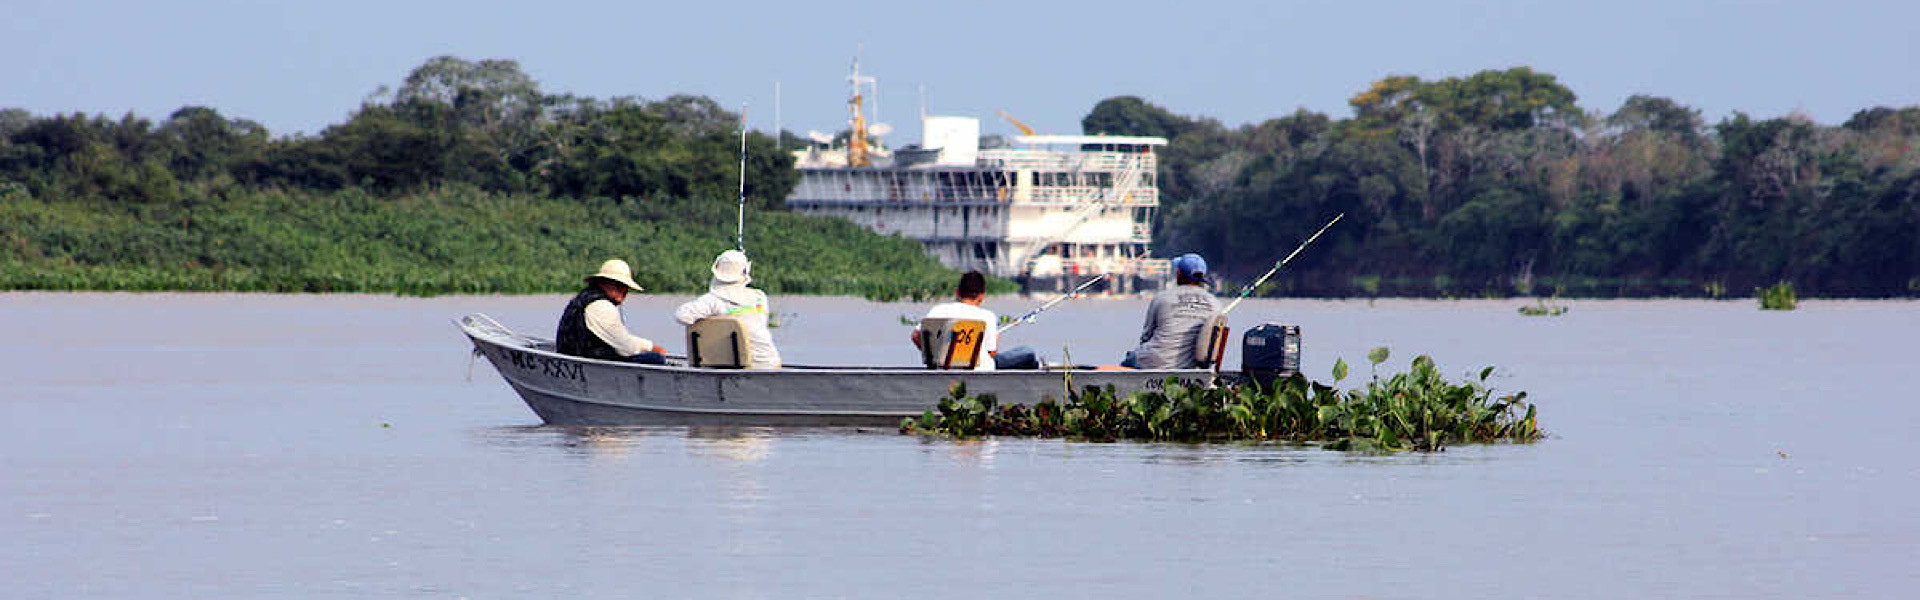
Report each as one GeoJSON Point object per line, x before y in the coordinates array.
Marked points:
{"type": "Point", "coordinates": [603, 319]}
{"type": "Point", "coordinates": [1174, 320]}
{"type": "Point", "coordinates": [750, 305]}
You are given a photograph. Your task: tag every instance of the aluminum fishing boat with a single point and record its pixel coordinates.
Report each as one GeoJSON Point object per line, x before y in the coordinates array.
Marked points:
{"type": "Point", "coordinates": [569, 390]}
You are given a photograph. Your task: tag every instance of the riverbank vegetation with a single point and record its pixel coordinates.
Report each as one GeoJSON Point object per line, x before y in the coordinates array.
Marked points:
{"type": "Point", "coordinates": [1415, 410]}
{"type": "Point", "coordinates": [1498, 183]}
{"type": "Point", "coordinates": [450, 240]}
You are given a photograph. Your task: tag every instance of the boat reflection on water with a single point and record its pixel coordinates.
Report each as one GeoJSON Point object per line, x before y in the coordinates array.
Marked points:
{"type": "Point", "coordinates": [732, 443]}
{"type": "Point", "coordinates": [747, 444]}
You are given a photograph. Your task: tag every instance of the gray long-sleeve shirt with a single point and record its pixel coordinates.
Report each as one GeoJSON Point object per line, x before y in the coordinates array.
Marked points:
{"type": "Point", "coordinates": [1174, 320]}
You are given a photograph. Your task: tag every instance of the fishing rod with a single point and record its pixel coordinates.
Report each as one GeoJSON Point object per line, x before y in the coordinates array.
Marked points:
{"type": "Point", "coordinates": [1283, 262]}
{"type": "Point", "coordinates": [1027, 318]}
{"type": "Point", "coordinates": [740, 217]}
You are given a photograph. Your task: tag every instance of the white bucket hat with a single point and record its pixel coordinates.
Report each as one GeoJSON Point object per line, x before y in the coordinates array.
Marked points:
{"type": "Point", "coordinates": [617, 271]}
{"type": "Point", "coordinates": [732, 267]}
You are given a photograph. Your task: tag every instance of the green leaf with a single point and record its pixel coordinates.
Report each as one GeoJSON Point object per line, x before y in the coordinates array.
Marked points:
{"type": "Point", "coordinates": [1340, 369]}
{"type": "Point", "coordinates": [1485, 372]}
{"type": "Point", "coordinates": [1378, 355]}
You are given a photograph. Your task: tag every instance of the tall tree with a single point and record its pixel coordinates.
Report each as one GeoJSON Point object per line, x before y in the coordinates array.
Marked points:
{"type": "Point", "coordinates": [1129, 115]}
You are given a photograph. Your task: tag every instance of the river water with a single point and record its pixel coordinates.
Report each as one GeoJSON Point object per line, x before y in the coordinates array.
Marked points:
{"type": "Point", "coordinates": [203, 446]}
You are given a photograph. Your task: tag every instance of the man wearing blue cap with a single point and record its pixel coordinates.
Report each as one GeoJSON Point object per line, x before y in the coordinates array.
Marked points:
{"type": "Point", "coordinates": [1175, 318]}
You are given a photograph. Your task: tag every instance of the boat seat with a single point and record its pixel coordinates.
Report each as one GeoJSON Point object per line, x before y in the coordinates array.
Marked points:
{"type": "Point", "coordinates": [718, 343]}
{"type": "Point", "coordinates": [951, 343]}
{"type": "Point", "coordinates": [1212, 345]}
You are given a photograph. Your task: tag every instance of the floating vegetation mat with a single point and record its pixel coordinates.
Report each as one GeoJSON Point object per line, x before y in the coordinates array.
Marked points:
{"type": "Point", "coordinates": [1416, 410]}
{"type": "Point", "coordinates": [1540, 308]}
{"type": "Point", "coordinates": [1778, 297]}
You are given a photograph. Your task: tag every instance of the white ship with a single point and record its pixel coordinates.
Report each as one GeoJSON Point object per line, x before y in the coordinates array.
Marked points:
{"type": "Point", "coordinates": [1047, 210]}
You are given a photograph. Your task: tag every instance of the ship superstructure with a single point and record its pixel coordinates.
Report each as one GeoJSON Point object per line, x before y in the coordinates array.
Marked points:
{"type": "Point", "coordinates": [1048, 210]}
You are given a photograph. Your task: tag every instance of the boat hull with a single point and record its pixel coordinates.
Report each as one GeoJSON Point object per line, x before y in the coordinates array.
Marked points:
{"type": "Point", "coordinates": [568, 390]}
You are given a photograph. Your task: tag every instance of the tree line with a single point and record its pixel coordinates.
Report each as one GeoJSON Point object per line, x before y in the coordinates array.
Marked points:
{"type": "Point", "coordinates": [1499, 183]}
{"type": "Point", "coordinates": [484, 124]}
{"type": "Point", "coordinates": [1493, 183]}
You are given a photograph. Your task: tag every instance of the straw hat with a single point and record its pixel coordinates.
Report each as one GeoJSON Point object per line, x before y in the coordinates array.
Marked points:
{"type": "Point", "coordinates": [732, 267]}
{"type": "Point", "coordinates": [617, 271]}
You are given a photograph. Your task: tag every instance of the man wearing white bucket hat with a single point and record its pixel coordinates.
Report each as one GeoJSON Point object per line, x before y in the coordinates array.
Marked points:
{"type": "Point", "coordinates": [728, 295]}
{"type": "Point", "coordinates": [591, 326]}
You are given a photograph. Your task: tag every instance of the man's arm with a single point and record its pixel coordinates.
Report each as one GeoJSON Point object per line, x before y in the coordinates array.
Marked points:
{"type": "Point", "coordinates": [1153, 320]}
{"type": "Point", "coordinates": [603, 319]}
{"type": "Point", "coordinates": [991, 339]}
{"type": "Point", "coordinates": [697, 309]}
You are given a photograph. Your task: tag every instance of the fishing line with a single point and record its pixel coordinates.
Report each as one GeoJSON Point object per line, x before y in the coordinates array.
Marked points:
{"type": "Point", "coordinates": [1244, 292]}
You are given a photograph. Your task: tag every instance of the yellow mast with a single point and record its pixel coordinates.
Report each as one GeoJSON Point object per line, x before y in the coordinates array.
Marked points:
{"type": "Point", "coordinates": [857, 140]}
{"type": "Point", "coordinates": [857, 137]}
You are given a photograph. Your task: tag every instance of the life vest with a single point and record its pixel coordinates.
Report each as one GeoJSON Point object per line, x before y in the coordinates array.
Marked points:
{"type": "Point", "coordinates": [572, 336]}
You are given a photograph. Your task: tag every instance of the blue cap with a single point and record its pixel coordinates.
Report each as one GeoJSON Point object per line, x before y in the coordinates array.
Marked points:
{"type": "Point", "coordinates": [1190, 265]}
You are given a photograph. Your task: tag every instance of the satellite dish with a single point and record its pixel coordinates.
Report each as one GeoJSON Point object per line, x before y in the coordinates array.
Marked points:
{"type": "Point", "coordinates": [820, 138]}
{"type": "Point", "coordinates": [880, 129]}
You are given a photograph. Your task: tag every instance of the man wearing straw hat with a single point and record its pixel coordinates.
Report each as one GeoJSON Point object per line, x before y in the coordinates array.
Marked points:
{"type": "Point", "coordinates": [728, 295]}
{"type": "Point", "coordinates": [591, 326]}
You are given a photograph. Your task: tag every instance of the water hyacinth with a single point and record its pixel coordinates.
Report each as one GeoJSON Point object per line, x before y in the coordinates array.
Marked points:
{"type": "Point", "coordinates": [1779, 296]}
{"type": "Point", "coordinates": [1540, 308]}
{"type": "Point", "coordinates": [1416, 410]}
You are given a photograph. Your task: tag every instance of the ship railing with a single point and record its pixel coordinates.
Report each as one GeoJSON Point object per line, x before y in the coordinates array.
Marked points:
{"type": "Point", "coordinates": [1152, 267]}
{"type": "Point", "coordinates": [1143, 267]}
{"type": "Point", "coordinates": [1082, 194]}
{"type": "Point", "coordinates": [1119, 194]}
{"type": "Point", "coordinates": [1045, 196]}
{"type": "Point", "coordinates": [1040, 160]}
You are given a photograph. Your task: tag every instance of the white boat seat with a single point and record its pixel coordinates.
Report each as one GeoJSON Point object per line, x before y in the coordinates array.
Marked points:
{"type": "Point", "coordinates": [951, 343]}
{"type": "Point", "coordinates": [1212, 345]}
{"type": "Point", "coordinates": [718, 343]}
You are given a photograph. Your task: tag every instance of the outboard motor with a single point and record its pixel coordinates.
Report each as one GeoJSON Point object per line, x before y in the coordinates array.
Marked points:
{"type": "Point", "coordinates": [1269, 352]}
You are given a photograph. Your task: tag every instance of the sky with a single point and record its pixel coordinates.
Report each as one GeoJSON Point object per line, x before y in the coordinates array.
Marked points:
{"type": "Point", "coordinates": [297, 67]}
